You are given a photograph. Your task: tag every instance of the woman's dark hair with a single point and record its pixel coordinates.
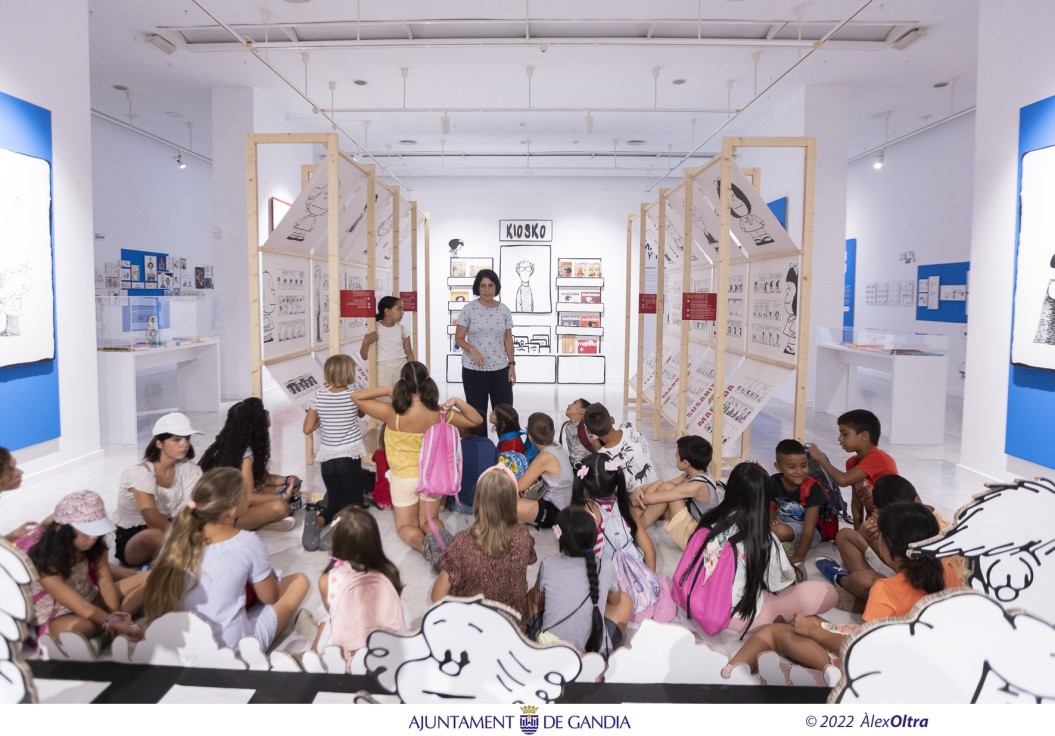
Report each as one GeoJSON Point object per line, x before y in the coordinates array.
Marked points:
{"type": "Point", "coordinates": [599, 482]}
{"type": "Point", "coordinates": [414, 381]}
{"type": "Point", "coordinates": [902, 524]}
{"type": "Point", "coordinates": [357, 541]}
{"type": "Point", "coordinates": [486, 273]}
{"type": "Point", "coordinates": [746, 504]}
{"type": "Point", "coordinates": [246, 428]}
{"type": "Point", "coordinates": [153, 452]}
{"type": "Point", "coordinates": [54, 553]}
{"type": "Point", "coordinates": [578, 532]}
{"type": "Point", "coordinates": [506, 419]}
{"type": "Point", "coordinates": [386, 302]}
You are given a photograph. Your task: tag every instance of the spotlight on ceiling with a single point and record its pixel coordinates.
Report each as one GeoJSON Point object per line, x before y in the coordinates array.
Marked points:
{"type": "Point", "coordinates": [162, 43]}
{"type": "Point", "coordinates": [178, 158]}
{"type": "Point", "coordinates": [445, 123]}
{"type": "Point", "coordinates": [587, 124]}
{"type": "Point", "coordinates": [880, 160]}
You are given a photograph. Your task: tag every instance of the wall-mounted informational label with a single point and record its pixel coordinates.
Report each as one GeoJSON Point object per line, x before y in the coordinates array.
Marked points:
{"type": "Point", "coordinates": [525, 231]}
{"type": "Point", "coordinates": [646, 303]}
{"type": "Point", "coordinates": [410, 300]}
{"type": "Point", "coordinates": [701, 306]}
{"type": "Point", "coordinates": [358, 303]}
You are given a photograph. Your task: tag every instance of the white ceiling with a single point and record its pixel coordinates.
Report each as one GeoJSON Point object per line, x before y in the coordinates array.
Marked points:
{"type": "Point", "coordinates": [469, 59]}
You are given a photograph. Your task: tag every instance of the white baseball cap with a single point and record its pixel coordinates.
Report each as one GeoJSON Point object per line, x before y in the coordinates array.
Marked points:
{"type": "Point", "coordinates": [174, 423]}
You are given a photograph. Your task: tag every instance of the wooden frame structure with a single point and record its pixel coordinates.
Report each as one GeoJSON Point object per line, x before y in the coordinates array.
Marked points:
{"type": "Point", "coordinates": [702, 267]}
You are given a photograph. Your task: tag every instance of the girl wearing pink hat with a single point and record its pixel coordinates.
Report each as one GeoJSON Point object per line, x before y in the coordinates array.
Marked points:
{"type": "Point", "coordinates": [76, 589]}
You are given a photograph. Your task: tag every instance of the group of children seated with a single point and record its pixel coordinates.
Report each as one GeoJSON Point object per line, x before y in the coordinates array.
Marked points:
{"type": "Point", "coordinates": [592, 482]}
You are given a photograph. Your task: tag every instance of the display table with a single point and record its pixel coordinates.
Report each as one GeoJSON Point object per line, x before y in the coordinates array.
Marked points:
{"type": "Point", "coordinates": [198, 376]}
{"type": "Point", "coordinates": [916, 413]}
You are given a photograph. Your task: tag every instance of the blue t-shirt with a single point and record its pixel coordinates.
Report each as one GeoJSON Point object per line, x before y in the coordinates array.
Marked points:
{"type": "Point", "coordinates": [478, 454]}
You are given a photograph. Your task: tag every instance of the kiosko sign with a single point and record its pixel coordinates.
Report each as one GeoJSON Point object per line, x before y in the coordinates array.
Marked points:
{"type": "Point", "coordinates": [525, 231]}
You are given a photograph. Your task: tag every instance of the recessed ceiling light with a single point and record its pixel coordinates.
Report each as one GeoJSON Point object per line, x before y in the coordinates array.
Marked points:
{"type": "Point", "coordinates": [298, 2]}
{"type": "Point", "coordinates": [939, 85]}
{"type": "Point", "coordinates": [636, 142]}
{"type": "Point", "coordinates": [360, 82]}
{"type": "Point", "coordinates": [173, 114]}
{"type": "Point", "coordinates": [121, 87]}
{"type": "Point", "coordinates": [678, 81]}
{"type": "Point", "coordinates": [408, 142]}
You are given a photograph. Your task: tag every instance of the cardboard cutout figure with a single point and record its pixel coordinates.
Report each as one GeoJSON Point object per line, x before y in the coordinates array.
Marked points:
{"type": "Point", "coordinates": [469, 651]}
{"type": "Point", "coordinates": [16, 606]}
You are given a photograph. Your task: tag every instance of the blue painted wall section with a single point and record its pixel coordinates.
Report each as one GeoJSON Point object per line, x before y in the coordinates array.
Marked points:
{"type": "Point", "coordinates": [849, 284]}
{"type": "Point", "coordinates": [951, 274]}
{"type": "Point", "coordinates": [1031, 391]}
{"type": "Point", "coordinates": [29, 394]}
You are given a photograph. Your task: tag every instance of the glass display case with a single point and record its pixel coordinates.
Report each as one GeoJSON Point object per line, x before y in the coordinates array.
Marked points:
{"type": "Point", "coordinates": [129, 323]}
{"type": "Point", "coordinates": [892, 342]}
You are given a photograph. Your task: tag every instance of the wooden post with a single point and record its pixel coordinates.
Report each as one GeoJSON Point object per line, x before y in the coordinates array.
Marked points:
{"type": "Point", "coordinates": [805, 287]}
{"type": "Point", "coordinates": [626, 333]}
{"type": "Point", "coordinates": [428, 314]}
{"type": "Point", "coordinates": [686, 287]}
{"type": "Point", "coordinates": [643, 239]}
{"type": "Point", "coordinates": [371, 259]}
{"type": "Point", "coordinates": [657, 393]}
{"type": "Point", "coordinates": [396, 215]}
{"type": "Point", "coordinates": [414, 272]}
{"type": "Point", "coordinates": [333, 240]}
{"type": "Point", "coordinates": [256, 386]}
{"type": "Point", "coordinates": [722, 324]}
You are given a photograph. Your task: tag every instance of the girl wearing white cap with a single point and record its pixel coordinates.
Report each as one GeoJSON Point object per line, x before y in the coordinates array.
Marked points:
{"type": "Point", "coordinates": [76, 590]}
{"type": "Point", "coordinates": [154, 490]}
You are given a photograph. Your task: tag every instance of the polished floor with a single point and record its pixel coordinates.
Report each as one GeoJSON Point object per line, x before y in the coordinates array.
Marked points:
{"type": "Point", "coordinates": [932, 468]}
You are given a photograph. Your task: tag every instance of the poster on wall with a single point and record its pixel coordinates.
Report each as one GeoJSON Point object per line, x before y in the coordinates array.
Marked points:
{"type": "Point", "coordinates": [526, 278]}
{"type": "Point", "coordinates": [284, 304]}
{"type": "Point", "coordinates": [320, 304]}
{"type": "Point", "coordinates": [1033, 331]}
{"type": "Point", "coordinates": [773, 325]}
{"type": "Point", "coordinates": [27, 332]}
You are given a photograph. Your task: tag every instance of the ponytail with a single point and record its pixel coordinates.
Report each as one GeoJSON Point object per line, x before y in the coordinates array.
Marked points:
{"type": "Point", "coordinates": [903, 524]}
{"type": "Point", "coordinates": [593, 643]}
{"type": "Point", "coordinates": [218, 491]}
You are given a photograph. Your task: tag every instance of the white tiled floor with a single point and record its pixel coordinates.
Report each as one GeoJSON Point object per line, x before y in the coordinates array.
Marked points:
{"type": "Point", "coordinates": [933, 469]}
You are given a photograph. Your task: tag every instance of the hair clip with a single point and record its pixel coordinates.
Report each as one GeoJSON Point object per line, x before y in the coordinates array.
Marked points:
{"type": "Point", "coordinates": [556, 533]}
{"type": "Point", "coordinates": [582, 471]}
{"type": "Point", "coordinates": [611, 465]}
{"type": "Point", "coordinates": [504, 469]}
{"type": "Point", "coordinates": [337, 561]}
{"type": "Point", "coordinates": [192, 505]}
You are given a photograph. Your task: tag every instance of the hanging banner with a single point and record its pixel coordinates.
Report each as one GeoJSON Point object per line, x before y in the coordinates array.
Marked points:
{"type": "Point", "coordinates": [358, 303]}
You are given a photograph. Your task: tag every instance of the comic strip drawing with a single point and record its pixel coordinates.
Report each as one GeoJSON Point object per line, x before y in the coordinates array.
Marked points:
{"type": "Point", "coordinates": [314, 207]}
{"type": "Point", "coordinates": [740, 208]}
{"type": "Point", "coordinates": [791, 305]}
{"type": "Point", "coordinates": [469, 651]}
{"type": "Point", "coordinates": [14, 283]}
{"type": "Point", "coordinates": [267, 306]}
{"type": "Point", "coordinates": [525, 302]}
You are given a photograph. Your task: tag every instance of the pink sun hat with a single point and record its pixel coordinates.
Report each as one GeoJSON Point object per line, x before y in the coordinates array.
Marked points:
{"type": "Point", "coordinates": [85, 512]}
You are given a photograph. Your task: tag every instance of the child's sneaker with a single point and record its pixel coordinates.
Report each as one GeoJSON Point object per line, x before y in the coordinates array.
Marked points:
{"type": "Point", "coordinates": [831, 570]}
{"type": "Point", "coordinates": [311, 536]}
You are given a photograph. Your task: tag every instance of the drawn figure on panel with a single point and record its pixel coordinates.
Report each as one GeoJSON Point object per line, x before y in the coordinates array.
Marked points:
{"type": "Point", "coordinates": [1007, 537]}
{"type": "Point", "coordinates": [791, 305]}
{"type": "Point", "coordinates": [469, 650]}
{"type": "Point", "coordinates": [318, 302]}
{"type": "Point", "coordinates": [740, 208]}
{"type": "Point", "coordinates": [1046, 326]}
{"type": "Point", "coordinates": [267, 306]}
{"type": "Point", "coordinates": [525, 301]}
{"type": "Point", "coordinates": [455, 245]}
{"type": "Point", "coordinates": [314, 208]}
{"type": "Point", "coordinates": [13, 284]}
{"type": "Point", "coordinates": [150, 268]}
{"type": "Point", "coordinates": [697, 218]}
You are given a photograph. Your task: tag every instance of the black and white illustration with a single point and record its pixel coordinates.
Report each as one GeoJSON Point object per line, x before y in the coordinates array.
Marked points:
{"type": "Point", "coordinates": [773, 320]}
{"type": "Point", "coordinates": [532, 339]}
{"type": "Point", "coordinates": [750, 386]}
{"type": "Point", "coordinates": [1033, 331]}
{"type": "Point", "coordinates": [16, 608]}
{"type": "Point", "coordinates": [701, 388]}
{"type": "Point", "coordinates": [320, 304]}
{"type": "Point", "coordinates": [299, 377]}
{"type": "Point", "coordinates": [27, 332]}
{"type": "Point", "coordinates": [753, 225]}
{"type": "Point", "coordinates": [284, 304]}
{"type": "Point", "coordinates": [469, 651]}
{"type": "Point", "coordinates": [150, 268]}
{"type": "Point", "coordinates": [526, 278]}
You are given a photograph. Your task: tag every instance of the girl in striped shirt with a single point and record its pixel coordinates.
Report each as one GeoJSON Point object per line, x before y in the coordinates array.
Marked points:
{"type": "Point", "coordinates": [336, 417]}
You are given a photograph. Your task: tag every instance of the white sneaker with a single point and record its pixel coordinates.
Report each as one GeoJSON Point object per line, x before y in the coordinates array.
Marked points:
{"type": "Point", "coordinates": [306, 626]}
{"type": "Point", "coordinates": [282, 525]}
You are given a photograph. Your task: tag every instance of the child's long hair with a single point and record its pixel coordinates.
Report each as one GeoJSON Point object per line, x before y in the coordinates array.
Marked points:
{"type": "Point", "coordinates": [414, 380]}
{"type": "Point", "coordinates": [246, 428]}
{"type": "Point", "coordinates": [578, 532]}
{"type": "Point", "coordinates": [746, 504]}
{"type": "Point", "coordinates": [218, 491]}
{"type": "Point", "coordinates": [506, 419]}
{"type": "Point", "coordinates": [54, 553]}
{"type": "Point", "coordinates": [357, 541]}
{"type": "Point", "coordinates": [494, 511]}
{"type": "Point", "coordinates": [902, 524]}
{"type": "Point", "coordinates": [598, 481]}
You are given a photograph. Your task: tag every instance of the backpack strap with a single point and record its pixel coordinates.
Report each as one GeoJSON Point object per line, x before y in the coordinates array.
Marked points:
{"type": "Point", "coordinates": [584, 437]}
{"type": "Point", "coordinates": [573, 612]}
{"type": "Point", "coordinates": [805, 489]}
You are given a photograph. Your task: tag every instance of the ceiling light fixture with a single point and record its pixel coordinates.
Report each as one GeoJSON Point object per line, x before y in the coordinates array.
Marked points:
{"type": "Point", "coordinates": [879, 160]}
{"type": "Point", "coordinates": [678, 81]}
{"type": "Point", "coordinates": [178, 158]}
{"type": "Point", "coordinates": [587, 124]}
{"type": "Point", "coordinates": [162, 43]}
{"type": "Point", "coordinates": [408, 142]}
{"type": "Point", "coordinates": [445, 124]}
{"type": "Point", "coordinates": [908, 38]}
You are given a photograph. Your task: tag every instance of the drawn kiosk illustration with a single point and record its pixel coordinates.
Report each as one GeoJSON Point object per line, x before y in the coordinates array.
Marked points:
{"type": "Point", "coordinates": [469, 651]}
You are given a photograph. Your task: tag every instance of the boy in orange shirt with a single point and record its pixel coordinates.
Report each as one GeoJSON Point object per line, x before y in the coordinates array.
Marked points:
{"type": "Point", "coordinates": [858, 433]}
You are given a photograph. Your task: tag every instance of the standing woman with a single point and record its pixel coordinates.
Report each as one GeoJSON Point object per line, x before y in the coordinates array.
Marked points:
{"type": "Point", "coordinates": [485, 335]}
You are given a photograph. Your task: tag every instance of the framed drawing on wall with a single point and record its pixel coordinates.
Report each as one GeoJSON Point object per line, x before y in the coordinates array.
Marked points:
{"type": "Point", "coordinates": [525, 274]}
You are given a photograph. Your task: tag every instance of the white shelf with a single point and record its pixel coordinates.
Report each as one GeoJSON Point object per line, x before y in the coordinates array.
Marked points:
{"type": "Point", "coordinates": [576, 307]}
{"type": "Point", "coordinates": [574, 283]}
{"type": "Point", "coordinates": [456, 306]}
{"type": "Point", "coordinates": [597, 331]}
{"type": "Point", "coordinates": [451, 329]}
{"type": "Point", "coordinates": [460, 280]}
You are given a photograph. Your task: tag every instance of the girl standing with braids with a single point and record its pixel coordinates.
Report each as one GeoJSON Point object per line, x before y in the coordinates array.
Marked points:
{"type": "Point", "coordinates": [414, 408]}
{"type": "Point", "coordinates": [568, 591]}
{"type": "Point", "coordinates": [207, 561]}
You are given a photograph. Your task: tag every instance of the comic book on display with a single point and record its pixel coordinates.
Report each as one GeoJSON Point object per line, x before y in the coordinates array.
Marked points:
{"type": "Point", "coordinates": [580, 320]}
{"type": "Point", "coordinates": [580, 269]}
{"type": "Point", "coordinates": [579, 345]}
{"type": "Point", "coordinates": [579, 296]}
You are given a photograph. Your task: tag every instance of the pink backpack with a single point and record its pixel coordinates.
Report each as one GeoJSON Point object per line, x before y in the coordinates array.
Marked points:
{"type": "Point", "coordinates": [441, 460]}
{"type": "Point", "coordinates": [706, 598]}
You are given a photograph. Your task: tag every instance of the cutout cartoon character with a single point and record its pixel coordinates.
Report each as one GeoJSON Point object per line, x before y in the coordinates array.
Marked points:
{"type": "Point", "coordinates": [13, 284]}
{"type": "Point", "coordinates": [525, 300]}
{"type": "Point", "coordinates": [469, 651]}
{"type": "Point", "coordinates": [740, 208]}
{"type": "Point", "coordinates": [314, 207]}
{"type": "Point", "coordinates": [791, 306]}
{"type": "Point", "coordinates": [16, 606]}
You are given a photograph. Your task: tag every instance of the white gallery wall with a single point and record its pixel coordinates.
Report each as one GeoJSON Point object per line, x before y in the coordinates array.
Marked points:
{"type": "Point", "coordinates": [920, 201]}
{"type": "Point", "coordinates": [54, 75]}
{"type": "Point", "coordinates": [1014, 70]}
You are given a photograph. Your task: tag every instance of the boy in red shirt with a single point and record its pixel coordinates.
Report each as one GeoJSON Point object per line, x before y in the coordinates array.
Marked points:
{"type": "Point", "coordinates": [858, 433]}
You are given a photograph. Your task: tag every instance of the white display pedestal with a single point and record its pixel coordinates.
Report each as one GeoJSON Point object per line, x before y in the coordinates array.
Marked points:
{"type": "Point", "coordinates": [198, 376]}
{"type": "Point", "coordinates": [916, 414]}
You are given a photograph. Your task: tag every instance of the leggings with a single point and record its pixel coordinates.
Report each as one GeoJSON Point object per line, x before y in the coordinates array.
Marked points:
{"type": "Point", "coordinates": [808, 598]}
{"type": "Point", "coordinates": [343, 477]}
{"type": "Point", "coordinates": [480, 386]}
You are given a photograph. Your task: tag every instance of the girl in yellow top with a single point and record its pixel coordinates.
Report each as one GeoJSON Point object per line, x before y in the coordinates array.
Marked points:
{"type": "Point", "coordinates": [414, 408]}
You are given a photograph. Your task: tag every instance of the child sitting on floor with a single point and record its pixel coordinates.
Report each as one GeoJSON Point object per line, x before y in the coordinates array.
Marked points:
{"type": "Point", "coordinates": [624, 445]}
{"type": "Point", "coordinates": [793, 522]}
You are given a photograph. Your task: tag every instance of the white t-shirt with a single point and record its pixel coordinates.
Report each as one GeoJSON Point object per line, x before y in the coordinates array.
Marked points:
{"type": "Point", "coordinates": [487, 333]}
{"type": "Point", "coordinates": [169, 500]}
{"type": "Point", "coordinates": [390, 342]}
